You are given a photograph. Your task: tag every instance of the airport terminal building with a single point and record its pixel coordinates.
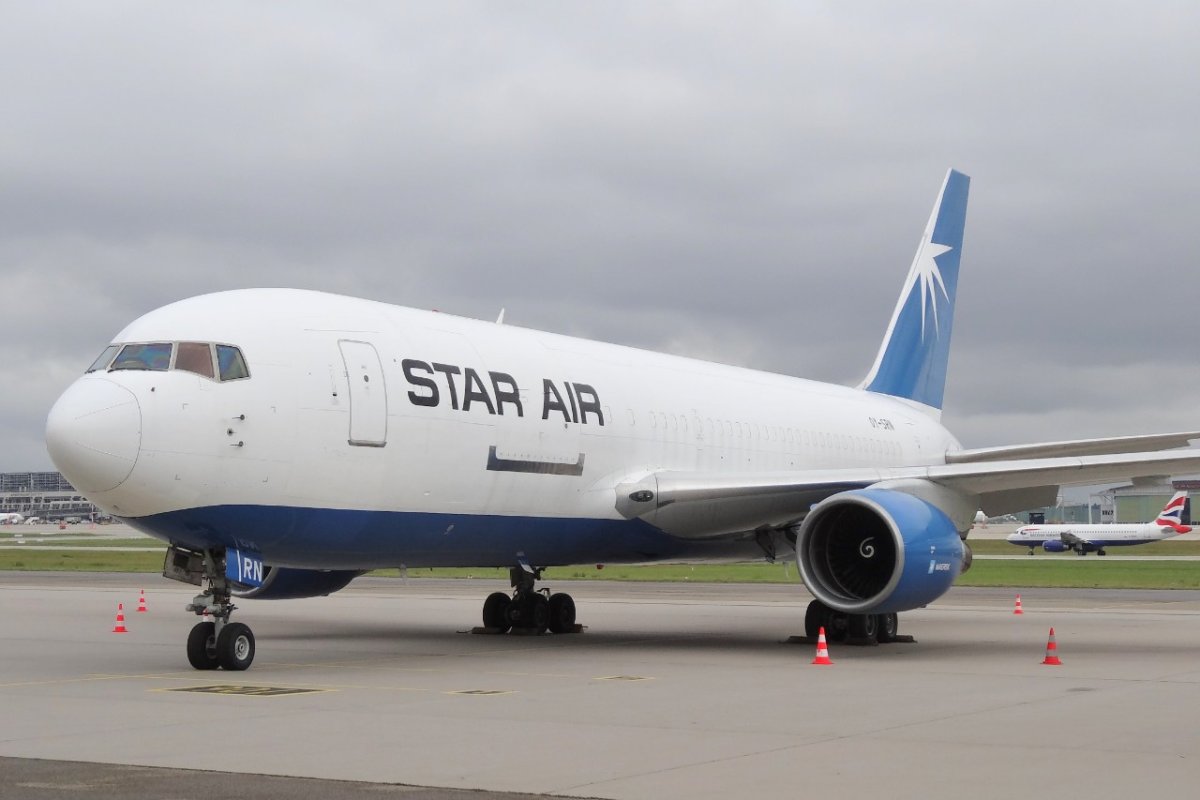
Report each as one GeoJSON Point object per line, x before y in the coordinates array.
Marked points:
{"type": "Point", "coordinates": [46, 495]}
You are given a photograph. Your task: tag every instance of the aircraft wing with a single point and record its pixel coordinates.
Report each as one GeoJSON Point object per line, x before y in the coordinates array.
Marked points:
{"type": "Point", "coordinates": [1077, 447]}
{"type": "Point", "coordinates": [712, 504]}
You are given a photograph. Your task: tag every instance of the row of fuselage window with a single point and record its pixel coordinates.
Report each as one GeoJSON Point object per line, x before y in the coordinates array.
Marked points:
{"type": "Point", "coordinates": [760, 437]}
{"type": "Point", "coordinates": [213, 361]}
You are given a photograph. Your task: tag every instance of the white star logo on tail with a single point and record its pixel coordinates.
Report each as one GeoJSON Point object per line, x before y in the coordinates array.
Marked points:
{"type": "Point", "coordinates": [927, 272]}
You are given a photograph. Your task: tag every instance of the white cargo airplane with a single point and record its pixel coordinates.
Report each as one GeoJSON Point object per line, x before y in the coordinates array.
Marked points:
{"type": "Point", "coordinates": [283, 442]}
{"type": "Point", "coordinates": [1084, 539]}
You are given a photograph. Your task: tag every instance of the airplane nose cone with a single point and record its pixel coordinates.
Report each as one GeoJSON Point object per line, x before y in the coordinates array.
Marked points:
{"type": "Point", "coordinates": [93, 434]}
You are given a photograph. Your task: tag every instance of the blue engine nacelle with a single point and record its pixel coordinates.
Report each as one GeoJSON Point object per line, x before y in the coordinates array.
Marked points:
{"type": "Point", "coordinates": [1054, 546]}
{"type": "Point", "coordinates": [285, 583]}
{"type": "Point", "coordinates": [871, 551]}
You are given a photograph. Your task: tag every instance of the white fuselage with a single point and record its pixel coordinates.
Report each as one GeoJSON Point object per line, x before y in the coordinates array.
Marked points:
{"type": "Point", "coordinates": [439, 424]}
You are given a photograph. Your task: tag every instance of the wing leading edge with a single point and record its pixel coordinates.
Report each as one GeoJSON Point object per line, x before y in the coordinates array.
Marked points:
{"type": "Point", "coordinates": [707, 504]}
{"type": "Point", "coordinates": [1078, 447]}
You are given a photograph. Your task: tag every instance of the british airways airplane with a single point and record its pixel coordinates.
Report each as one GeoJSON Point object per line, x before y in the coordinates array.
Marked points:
{"type": "Point", "coordinates": [283, 442]}
{"type": "Point", "coordinates": [1084, 539]}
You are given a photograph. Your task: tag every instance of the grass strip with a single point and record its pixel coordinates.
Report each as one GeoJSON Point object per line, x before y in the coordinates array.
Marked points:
{"type": "Point", "coordinates": [1050, 571]}
{"type": "Point", "coordinates": [1169, 547]}
{"type": "Point", "coordinates": [96, 543]}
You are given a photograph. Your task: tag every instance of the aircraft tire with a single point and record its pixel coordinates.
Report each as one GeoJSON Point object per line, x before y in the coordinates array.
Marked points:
{"type": "Point", "coordinates": [495, 611]}
{"type": "Point", "coordinates": [888, 626]}
{"type": "Point", "coordinates": [816, 616]}
{"type": "Point", "coordinates": [202, 646]}
{"type": "Point", "coordinates": [535, 612]}
{"type": "Point", "coordinates": [864, 628]}
{"type": "Point", "coordinates": [235, 647]}
{"type": "Point", "coordinates": [562, 613]}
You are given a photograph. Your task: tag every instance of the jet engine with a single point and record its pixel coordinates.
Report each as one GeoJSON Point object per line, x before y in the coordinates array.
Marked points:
{"type": "Point", "coordinates": [281, 583]}
{"type": "Point", "coordinates": [1055, 546]}
{"type": "Point", "coordinates": [871, 551]}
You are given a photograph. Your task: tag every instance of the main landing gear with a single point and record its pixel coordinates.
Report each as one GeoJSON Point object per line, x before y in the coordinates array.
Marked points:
{"type": "Point", "coordinates": [219, 643]}
{"type": "Point", "coordinates": [854, 629]}
{"type": "Point", "coordinates": [528, 610]}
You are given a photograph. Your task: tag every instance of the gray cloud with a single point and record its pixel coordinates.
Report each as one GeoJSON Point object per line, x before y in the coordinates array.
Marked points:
{"type": "Point", "coordinates": [742, 182]}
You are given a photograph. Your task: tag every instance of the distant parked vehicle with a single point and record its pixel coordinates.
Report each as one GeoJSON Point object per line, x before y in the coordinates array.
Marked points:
{"type": "Point", "coordinates": [72, 520]}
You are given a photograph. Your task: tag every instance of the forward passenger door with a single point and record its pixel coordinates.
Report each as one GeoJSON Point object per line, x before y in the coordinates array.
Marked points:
{"type": "Point", "coordinates": [368, 393]}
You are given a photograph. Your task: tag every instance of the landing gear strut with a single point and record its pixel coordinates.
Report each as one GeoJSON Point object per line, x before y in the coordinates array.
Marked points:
{"type": "Point", "coordinates": [220, 643]}
{"type": "Point", "coordinates": [528, 610]}
{"type": "Point", "coordinates": [854, 629]}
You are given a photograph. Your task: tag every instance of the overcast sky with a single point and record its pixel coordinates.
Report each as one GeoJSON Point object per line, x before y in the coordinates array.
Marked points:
{"type": "Point", "coordinates": [744, 182]}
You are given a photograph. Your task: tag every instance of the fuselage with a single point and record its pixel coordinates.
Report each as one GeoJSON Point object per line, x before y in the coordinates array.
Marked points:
{"type": "Point", "coordinates": [369, 435]}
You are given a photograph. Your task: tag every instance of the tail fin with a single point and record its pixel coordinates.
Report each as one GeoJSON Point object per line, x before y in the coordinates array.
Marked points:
{"type": "Point", "coordinates": [911, 363]}
{"type": "Point", "coordinates": [1172, 514]}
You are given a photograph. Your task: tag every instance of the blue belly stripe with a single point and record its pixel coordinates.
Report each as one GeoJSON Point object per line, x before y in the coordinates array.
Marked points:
{"type": "Point", "coordinates": [330, 538]}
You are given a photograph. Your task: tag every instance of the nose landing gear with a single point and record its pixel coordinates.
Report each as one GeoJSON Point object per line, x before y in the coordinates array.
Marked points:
{"type": "Point", "coordinates": [216, 643]}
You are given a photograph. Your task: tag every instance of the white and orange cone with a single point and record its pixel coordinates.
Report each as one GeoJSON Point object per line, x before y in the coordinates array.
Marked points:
{"type": "Point", "coordinates": [120, 626]}
{"type": "Point", "coordinates": [822, 650]}
{"type": "Point", "coordinates": [142, 601]}
{"type": "Point", "coordinates": [1017, 608]}
{"type": "Point", "coordinates": [1052, 651]}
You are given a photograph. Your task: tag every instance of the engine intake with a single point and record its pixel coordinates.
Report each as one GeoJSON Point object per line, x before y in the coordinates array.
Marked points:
{"type": "Point", "coordinates": [285, 583]}
{"type": "Point", "coordinates": [878, 551]}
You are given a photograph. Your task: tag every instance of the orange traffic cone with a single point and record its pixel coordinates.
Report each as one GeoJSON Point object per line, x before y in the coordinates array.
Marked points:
{"type": "Point", "coordinates": [120, 626]}
{"type": "Point", "coordinates": [142, 601]}
{"type": "Point", "coordinates": [822, 649]}
{"type": "Point", "coordinates": [1052, 651]}
{"type": "Point", "coordinates": [1017, 609]}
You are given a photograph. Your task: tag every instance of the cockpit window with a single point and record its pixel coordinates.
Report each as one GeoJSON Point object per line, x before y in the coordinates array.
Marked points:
{"type": "Point", "coordinates": [195, 357]}
{"type": "Point", "coordinates": [105, 358]}
{"type": "Point", "coordinates": [155, 357]}
{"type": "Point", "coordinates": [231, 363]}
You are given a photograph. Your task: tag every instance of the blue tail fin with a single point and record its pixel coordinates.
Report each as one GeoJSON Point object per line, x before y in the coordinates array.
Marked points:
{"type": "Point", "coordinates": [912, 359]}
